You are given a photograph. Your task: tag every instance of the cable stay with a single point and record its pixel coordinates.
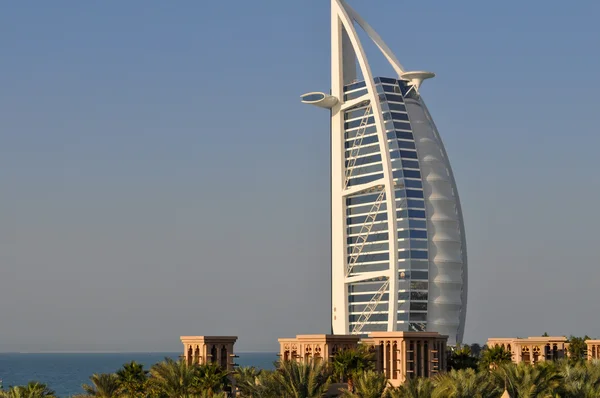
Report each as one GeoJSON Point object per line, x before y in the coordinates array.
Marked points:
{"type": "Point", "coordinates": [360, 133]}
{"type": "Point", "coordinates": [363, 235]}
{"type": "Point", "coordinates": [370, 308]}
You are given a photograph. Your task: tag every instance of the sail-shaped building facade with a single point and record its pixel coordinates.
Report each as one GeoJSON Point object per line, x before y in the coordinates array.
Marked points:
{"type": "Point", "coordinates": [399, 258]}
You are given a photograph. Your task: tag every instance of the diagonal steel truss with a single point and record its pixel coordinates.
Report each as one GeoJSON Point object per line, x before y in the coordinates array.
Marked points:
{"type": "Point", "coordinates": [363, 235]}
{"type": "Point", "coordinates": [356, 145]}
{"type": "Point", "coordinates": [370, 308]}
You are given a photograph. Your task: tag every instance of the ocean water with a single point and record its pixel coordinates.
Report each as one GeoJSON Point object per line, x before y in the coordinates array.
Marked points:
{"type": "Point", "coordinates": [65, 373]}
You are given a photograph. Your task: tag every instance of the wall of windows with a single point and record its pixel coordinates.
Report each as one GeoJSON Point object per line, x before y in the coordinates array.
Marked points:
{"type": "Point", "coordinates": [364, 165]}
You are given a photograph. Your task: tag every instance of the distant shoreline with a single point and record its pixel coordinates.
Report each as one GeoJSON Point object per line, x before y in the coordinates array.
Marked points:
{"type": "Point", "coordinates": [119, 352]}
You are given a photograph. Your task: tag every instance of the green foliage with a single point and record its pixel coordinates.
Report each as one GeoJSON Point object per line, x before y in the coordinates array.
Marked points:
{"type": "Point", "coordinates": [418, 387]}
{"type": "Point", "coordinates": [577, 349]}
{"type": "Point", "coordinates": [177, 379]}
{"type": "Point", "coordinates": [492, 357]}
{"type": "Point", "coordinates": [33, 389]}
{"type": "Point", "coordinates": [462, 358]}
{"type": "Point", "coordinates": [347, 362]}
{"type": "Point", "coordinates": [464, 383]}
{"type": "Point", "coordinates": [300, 380]}
{"type": "Point", "coordinates": [367, 384]}
{"type": "Point", "coordinates": [524, 380]}
{"type": "Point", "coordinates": [132, 380]}
{"type": "Point", "coordinates": [247, 380]}
{"type": "Point", "coordinates": [104, 385]}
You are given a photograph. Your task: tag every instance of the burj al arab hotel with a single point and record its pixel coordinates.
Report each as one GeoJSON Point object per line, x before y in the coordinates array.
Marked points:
{"type": "Point", "coordinates": [399, 255]}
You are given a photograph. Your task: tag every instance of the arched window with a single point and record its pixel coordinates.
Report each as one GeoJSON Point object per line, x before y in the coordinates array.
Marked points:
{"type": "Point", "coordinates": [213, 354]}
{"type": "Point", "coordinates": [224, 357]}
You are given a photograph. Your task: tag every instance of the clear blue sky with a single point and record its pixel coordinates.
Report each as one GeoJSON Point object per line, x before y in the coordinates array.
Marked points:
{"type": "Point", "coordinates": [159, 176]}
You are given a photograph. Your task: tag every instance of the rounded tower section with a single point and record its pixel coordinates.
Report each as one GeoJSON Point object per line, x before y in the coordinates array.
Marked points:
{"type": "Point", "coordinates": [447, 249]}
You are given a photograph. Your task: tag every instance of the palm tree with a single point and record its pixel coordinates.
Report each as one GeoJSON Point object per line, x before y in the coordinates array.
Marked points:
{"type": "Point", "coordinates": [368, 384]}
{"type": "Point", "coordinates": [492, 357]}
{"type": "Point", "coordinates": [465, 383]}
{"type": "Point", "coordinates": [173, 379]}
{"type": "Point", "coordinates": [133, 379]}
{"type": "Point", "coordinates": [416, 387]}
{"type": "Point", "coordinates": [267, 385]}
{"type": "Point", "coordinates": [301, 380]}
{"type": "Point", "coordinates": [580, 381]}
{"type": "Point", "coordinates": [462, 358]}
{"type": "Point", "coordinates": [524, 380]}
{"type": "Point", "coordinates": [211, 378]}
{"type": "Point", "coordinates": [348, 362]}
{"type": "Point", "coordinates": [104, 385]}
{"type": "Point", "coordinates": [246, 380]}
{"type": "Point", "coordinates": [33, 389]}
{"type": "Point", "coordinates": [13, 392]}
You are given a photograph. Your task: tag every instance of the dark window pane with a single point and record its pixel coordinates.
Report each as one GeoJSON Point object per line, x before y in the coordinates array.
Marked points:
{"type": "Point", "coordinates": [413, 174]}
{"type": "Point", "coordinates": [418, 295]}
{"type": "Point", "coordinates": [388, 80]}
{"type": "Point", "coordinates": [419, 275]}
{"type": "Point", "coordinates": [396, 107]}
{"type": "Point", "coordinates": [417, 285]}
{"type": "Point", "coordinates": [418, 317]}
{"type": "Point", "coordinates": [358, 200]}
{"type": "Point", "coordinates": [410, 164]}
{"type": "Point", "coordinates": [394, 97]}
{"type": "Point", "coordinates": [404, 135]}
{"type": "Point", "coordinates": [364, 180]}
{"type": "Point", "coordinates": [418, 306]}
{"type": "Point", "coordinates": [371, 238]}
{"type": "Point", "coordinates": [415, 203]}
{"type": "Point", "coordinates": [402, 125]}
{"type": "Point", "coordinates": [400, 116]}
{"type": "Point", "coordinates": [418, 234]}
{"type": "Point", "coordinates": [354, 86]}
{"type": "Point", "coordinates": [404, 234]}
{"type": "Point", "coordinates": [420, 224]}
{"type": "Point", "coordinates": [371, 258]}
{"type": "Point", "coordinates": [365, 141]}
{"type": "Point", "coordinates": [406, 144]}
{"type": "Point", "coordinates": [414, 194]}
{"type": "Point", "coordinates": [403, 316]}
{"type": "Point", "coordinates": [418, 254]}
{"type": "Point", "coordinates": [416, 213]}
{"type": "Point", "coordinates": [408, 154]}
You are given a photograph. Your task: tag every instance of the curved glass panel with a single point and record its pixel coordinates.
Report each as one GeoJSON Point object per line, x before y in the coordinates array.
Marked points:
{"type": "Point", "coordinates": [313, 97]}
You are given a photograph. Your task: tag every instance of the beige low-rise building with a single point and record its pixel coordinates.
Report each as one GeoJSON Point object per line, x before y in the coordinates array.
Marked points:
{"type": "Point", "coordinates": [532, 350]}
{"type": "Point", "coordinates": [403, 355]}
{"type": "Point", "coordinates": [315, 347]}
{"type": "Point", "coordinates": [209, 349]}
{"type": "Point", "coordinates": [593, 349]}
{"type": "Point", "coordinates": [399, 355]}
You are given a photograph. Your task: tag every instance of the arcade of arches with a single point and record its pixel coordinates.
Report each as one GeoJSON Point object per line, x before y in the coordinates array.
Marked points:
{"type": "Point", "coordinates": [399, 355]}
{"type": "Point", "coordinates": [533, 349]}
{"type": "Point", "coordinates": [209, 349]}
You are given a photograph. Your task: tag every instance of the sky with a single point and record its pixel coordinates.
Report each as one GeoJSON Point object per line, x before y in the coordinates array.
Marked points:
{"type": "Point", "coordinates": [159, 176]}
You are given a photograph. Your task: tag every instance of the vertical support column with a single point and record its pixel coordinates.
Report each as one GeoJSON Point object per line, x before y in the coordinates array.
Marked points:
{"type": "Point", "coordinates": [339, 296]}
{"type": "Point", "coordinates": [423, 358]}
{"type": "Point", "coordinates": [388, 179]}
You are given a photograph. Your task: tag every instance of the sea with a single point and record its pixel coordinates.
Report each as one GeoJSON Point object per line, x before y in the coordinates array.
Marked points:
{"type": "Point", "coordinates": [65, 373]}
